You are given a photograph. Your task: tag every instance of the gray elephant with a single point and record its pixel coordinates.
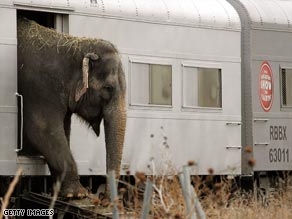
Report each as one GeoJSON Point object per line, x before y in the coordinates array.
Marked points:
{"type": "Point", "coordinates": [59, 75]}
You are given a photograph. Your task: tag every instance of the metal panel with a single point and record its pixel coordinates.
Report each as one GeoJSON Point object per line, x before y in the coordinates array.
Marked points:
{"type": "Point", "coordinates": [8, 135]}
{"type": "Point", "coordinates": [261, 132]}
{"type": "Point", "coordinates": [33, 165]}
{"type": "Point", "coordinates": [8, 54]}
{"type": "Point", "coordinates": [8, 16]}
{"type": "Point", "coordinates": [272, 45]}
{"type": "Point", "coordinates": [154, 39]}
{"type": "Point", "coordinates": [8, 84]}
{"type": "Point", "coordinates": [87, 149]}
{"type": "Point", "coordinates": [270, 42]}
{"type": "Point", "coordinates": [274, 152]}
{"type": "Point", "coordinates": [272, 143]}
{"type": "Point", "coordinates": [165, 145]}
{"type": "Point", "coordinates": [6, 3]}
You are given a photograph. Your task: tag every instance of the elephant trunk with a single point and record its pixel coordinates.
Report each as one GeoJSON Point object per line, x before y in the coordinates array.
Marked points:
{"type": "Point", "coordinates": [115, 126]}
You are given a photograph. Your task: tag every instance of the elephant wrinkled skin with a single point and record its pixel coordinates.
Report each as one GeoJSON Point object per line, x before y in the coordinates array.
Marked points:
{"type": "Point", "coordinates": [59, 75]}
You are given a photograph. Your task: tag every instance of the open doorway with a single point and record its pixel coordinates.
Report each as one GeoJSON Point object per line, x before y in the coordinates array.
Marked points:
{"type": "Point", "coordinates": [51, 20]}
{"type": "Point", "coordinates": [60, 22]}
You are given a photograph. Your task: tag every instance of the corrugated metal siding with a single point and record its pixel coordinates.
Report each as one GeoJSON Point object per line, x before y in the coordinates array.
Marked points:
{"type": "Point", "coordinates": [275, 14]}
{"type": "Point", "coordinates": [207, 13]}
{"type": "Point", "coordinates": [204, 13]}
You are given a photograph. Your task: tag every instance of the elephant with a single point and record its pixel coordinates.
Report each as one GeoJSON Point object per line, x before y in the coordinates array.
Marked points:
{"type": "Point", "coordinates": [60, 75]}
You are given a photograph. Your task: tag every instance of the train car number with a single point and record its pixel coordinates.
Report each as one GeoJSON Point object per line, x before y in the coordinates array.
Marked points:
{"type": "Point", "coordinates": [277, 155]}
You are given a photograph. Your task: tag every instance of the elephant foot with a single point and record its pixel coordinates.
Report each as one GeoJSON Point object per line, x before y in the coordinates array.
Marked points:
{"type": "Point", "coordinates": [71, 190]}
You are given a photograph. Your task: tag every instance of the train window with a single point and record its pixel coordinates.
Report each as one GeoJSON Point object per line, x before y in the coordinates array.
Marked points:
{"type": "Point", "coordinates": [286, 87]}
{"type": "Point", "coordinates": [151, 84]}
{"type": "Point", "coordinates": [202, 87]}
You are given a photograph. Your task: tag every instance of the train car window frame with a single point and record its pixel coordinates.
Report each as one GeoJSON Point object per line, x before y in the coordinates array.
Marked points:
{"type": "Point", "coordinates": [286, 79]}
{"type": "Point", "coordinates": [218, 90]}
{"type": "Point", "coordinates": [148, 66]}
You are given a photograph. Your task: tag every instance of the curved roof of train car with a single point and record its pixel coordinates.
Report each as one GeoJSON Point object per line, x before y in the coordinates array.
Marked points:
{"type": "Point", "coordinates": [269, 14]}
{"type": "Point", "coordinates": [202, 13]}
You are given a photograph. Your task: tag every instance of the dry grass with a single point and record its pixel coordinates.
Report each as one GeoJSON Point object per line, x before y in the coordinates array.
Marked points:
{"type": "Point", "coordinates": [41, 37]}
{"type": "Point", "coordinates": [220, 200]}
{"type": "Point", "coordinates": [5, 201]}
{"type": "Point", "coordinates": [223, 203]}
{"type": "Point", "coordinates": [220, 197]}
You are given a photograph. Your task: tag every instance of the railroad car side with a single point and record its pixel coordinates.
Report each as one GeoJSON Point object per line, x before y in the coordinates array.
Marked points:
{"type": "Point", "coordinates": [182, 63]}
{"type": "Point", "coordinates": [267, 57]}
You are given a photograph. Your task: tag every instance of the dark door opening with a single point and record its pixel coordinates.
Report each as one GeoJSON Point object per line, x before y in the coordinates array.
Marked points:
{"type": "Point", "coordinates": [43, 18]}
{"type": "Point", "coordinates": [50, 20]}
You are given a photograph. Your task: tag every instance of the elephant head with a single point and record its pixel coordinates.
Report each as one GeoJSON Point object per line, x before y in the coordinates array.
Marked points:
{"type": "Point", "coordinates": [100, 95]}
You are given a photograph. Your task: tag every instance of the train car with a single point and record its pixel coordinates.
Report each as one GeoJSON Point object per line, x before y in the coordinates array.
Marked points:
{"type": "Point", "coordinates": [266, 75]}
{"type": "Point", "coordinates": [182, 61]}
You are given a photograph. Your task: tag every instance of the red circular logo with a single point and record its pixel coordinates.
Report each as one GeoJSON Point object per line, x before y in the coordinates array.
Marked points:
{"type": "Point", "coordinates": [266, 86]}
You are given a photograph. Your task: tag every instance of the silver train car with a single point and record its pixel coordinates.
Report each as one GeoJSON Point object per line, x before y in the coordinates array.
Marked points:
{"type": "Point", "coordinates": [266, 78]}
{"type": "Point", "coordinates": [205, 80]}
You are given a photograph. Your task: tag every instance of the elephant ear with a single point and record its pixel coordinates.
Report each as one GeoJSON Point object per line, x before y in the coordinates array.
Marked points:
{"type": "Point", "coordinates": [82, 87]}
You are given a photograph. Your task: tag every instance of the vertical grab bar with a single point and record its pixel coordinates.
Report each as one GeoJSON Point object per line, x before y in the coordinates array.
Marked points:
{"type": "Point", "coordinates": [21, 122]}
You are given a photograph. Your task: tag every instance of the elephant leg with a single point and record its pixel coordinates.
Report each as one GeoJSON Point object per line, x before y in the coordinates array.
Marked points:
{"type": "Point", "coordinates": [48, 137]}
{"type": "Point", "coordinates": [67, 126]}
